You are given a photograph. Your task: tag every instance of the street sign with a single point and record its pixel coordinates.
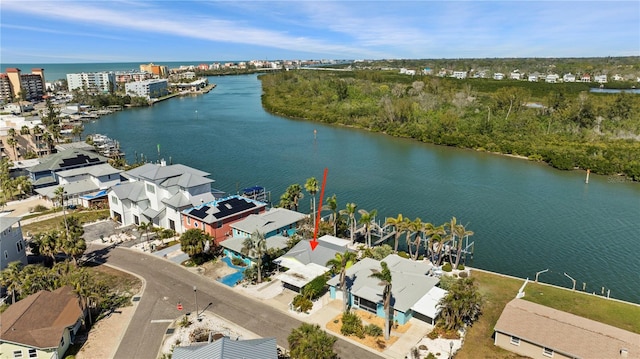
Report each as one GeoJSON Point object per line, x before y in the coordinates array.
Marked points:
{"type": "Point", "coordinates": [179, 306]}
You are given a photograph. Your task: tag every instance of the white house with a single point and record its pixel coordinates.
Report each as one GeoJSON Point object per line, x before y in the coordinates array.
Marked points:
{"type": "Point", "coordinates": [498, 76]}
{"type": "Point", "coordinates": [12, 244]}
{"type": "Point", "coordinates": [460, 75]}
{"type": "Point", "coordinates": [515, 75]}
{"type": "Point", "coordinates": [158, 193]}
{"type": "Point", "coordinates": [552, 78]}
{"type": "Point", "coordinates": [569, 77]}
{"type": "Point", "coordinates": [617, 77]}
{"type": "Point", "coordinates": [602, 79]}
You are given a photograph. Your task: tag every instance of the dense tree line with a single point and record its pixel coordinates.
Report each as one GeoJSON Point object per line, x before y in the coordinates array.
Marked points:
{"type": "Point", "coordinates": [561, 124]}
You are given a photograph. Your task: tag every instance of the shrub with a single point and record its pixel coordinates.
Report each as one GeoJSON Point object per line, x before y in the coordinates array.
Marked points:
{"type": "Point", "coordinates": [373, 330]}
{"type": "Point", "coordinates": [302, 303]}
{"type": "Point", "coordinates": [199, 335]}
{"type": "Point", "coordinates": [238, 262]}
{"type": "Point", "coordinates": [403, 254]}
{"type": "Point", "coordinates": [446, 282]}
{"type": "Point", "coordinates": [431, 356]}
{"type": "Point", "coordinates": [316, 287]}
{"type": "Point", "coordinates": [39, 208]}
{"type": "Point", "coordinates": [433, 334]}
{"type": "Point", "coordinates": [352, 325]}
{"type": "Point", "coordinates": [463, 274]}
{"type": "Point", "coordinates": [460, 266]}
{"type": "Point", "coordinates": [184, 322]}
{"type": "Point", "coordinates": [447, 267]}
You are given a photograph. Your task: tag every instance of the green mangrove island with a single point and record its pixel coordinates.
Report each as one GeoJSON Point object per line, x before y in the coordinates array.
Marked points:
{"type": "Point", "coordinates": [562, 124]}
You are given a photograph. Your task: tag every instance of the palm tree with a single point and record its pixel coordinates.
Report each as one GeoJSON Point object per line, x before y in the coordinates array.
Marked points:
{"type": "Point", "coordinates": [295, 195]}
{"type": "Point", "coordinates": [461, 232]}
{"type": "Point", "coordinates": [12, 142]}
{"type": "Point", "coordinates": [192, 242]}
{"type": "Point", "coordinates": [59, 194]}
{"type": "Point", "coordinates": [417, 226]}
{"type": "Point", "coordinates": [332, 205]}
{"type": "Point", "coordinates": [461, 305]}
{"type": "Point", "coordinates": [434, 234]}
{"type": "Point", "coordinates": [339, 264]}
{"type": "Point", "coordinates": [311, 186]}
{"type": "Point", "coordinates": [350, 211]}
{"type": "Point", "coordinates": [48, 244]}
{"type": "Point", "coordinates": [10, 278]}
{"type": "Point", "coordinates": [367, 219]}
{"type": "Point", "coordinates": [145, 226]}
{"type": "Point", "coordinates": [384, 276]}
{"type": "Point", "coordinates": [399, 224]}
{"type": "Point", "coordinates": [255, 246]}
{"type": "Point", "coordinates": [24, 130]}
{"type": "Point", "coordinates": [309, 341]}
{"type": "Point", "coordinates": [77, 131]}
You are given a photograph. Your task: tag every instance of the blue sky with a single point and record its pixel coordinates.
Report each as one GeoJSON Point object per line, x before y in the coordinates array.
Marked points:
{"type": "Point", "coordinates": [67, 31]}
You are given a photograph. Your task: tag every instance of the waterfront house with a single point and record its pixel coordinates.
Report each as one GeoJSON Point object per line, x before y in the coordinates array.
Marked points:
{"type": "Point", "coordinates": [226, 348]}
{"type": "Point", "coordinates": [414, 291]}
{"type": "Point", "coordinates": [42, 325]}
{"type": "Point", "coordinates": [515, 75]}
{"type": "Point", "coordinates": [12, 244]}
{"type": "Point", "coordinates": [498, 76]}
{"type": "Point", "coordinates": [552, 78]}
{"type": "Point", "coordinates": [304, 264]}
{"type": "Point", "coordinates": [275, 221]}
{"type": "Point", "coordinates": [157, 193]}
{"type": "Point", "coordinates": [534, 77]}
{"type": "Point", "coordinates": [232, 247]}
{"type": "Point", "coordinates": [460, 75]}
{"type": "Point", "coordinates": [540, 332]}
{"type": "Point", "coordinates": [602, 79]}
{"type": "Point", "coordinates": [569, 77]}
{"type": "Point", "coordinates": [585, 78]}
{"type": "Point", "coordinates": [216, 217]}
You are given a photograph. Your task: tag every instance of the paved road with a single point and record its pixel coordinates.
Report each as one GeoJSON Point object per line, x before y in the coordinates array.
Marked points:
{"type": "Point", "coordinates": [168, 283]}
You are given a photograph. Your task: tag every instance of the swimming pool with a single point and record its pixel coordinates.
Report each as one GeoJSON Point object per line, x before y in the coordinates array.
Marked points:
{"type": "Point", "coordinates": [232, 279]}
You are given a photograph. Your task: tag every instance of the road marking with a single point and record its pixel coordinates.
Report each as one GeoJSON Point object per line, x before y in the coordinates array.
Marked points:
{"type": "Point", "coordinates": [162, 321]}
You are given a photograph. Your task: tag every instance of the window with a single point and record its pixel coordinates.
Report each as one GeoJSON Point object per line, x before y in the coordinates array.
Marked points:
{"type": "Point", "coordinates": [547, 352]}
{"type": "Point", "coordinates": [188, 220]}
{"type": "Point", "coordinates": [195, 224]}
{"type": "Point", "coordinates": [219, 224]}
{"type": "Point", "coordinates": [33, 353]}
{"type": "Point", "coordinates": [114, 199]}
{"type": "Point", "coordinates": [17, 353]}
{"type": "Point", "coordinates": [6, 255]}
{"type": "Point", "coordinates": [515, 340]}
{"type": "Point", "coordinates": [150, 188]}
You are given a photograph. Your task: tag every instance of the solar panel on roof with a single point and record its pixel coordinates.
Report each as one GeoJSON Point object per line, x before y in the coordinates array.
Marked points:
{"type": "Point", "coordinates": [200, 212]}
{"type": "Point", "coordinates": [80, 159]}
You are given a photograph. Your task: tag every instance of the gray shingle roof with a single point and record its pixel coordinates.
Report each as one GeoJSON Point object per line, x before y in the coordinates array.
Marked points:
{"type": "Point", "coordinates": [6, 222]}
{"type": "Point", "coordinates": [95, 171]}
{"type": "Point", "coordinates": [133, 191]}
{"type": "Point", "coordinates": [410, 281]}
{"type": "Point", "coordinates": [301, 254]}
{"type": "Point", "coordinates": [73, 188]}
{"type": "Point", "coordinates": [225, 348]}
{"type": "Point", "coordinates": [58, 160]}
{"type": "Point", "coordinates": [235, 244]}
{"type": "Point", "coordinates": [269, 221]}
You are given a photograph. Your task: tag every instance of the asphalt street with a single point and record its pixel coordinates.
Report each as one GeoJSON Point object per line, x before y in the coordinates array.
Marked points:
{"type": "Point", "coordinates": [168, 284]}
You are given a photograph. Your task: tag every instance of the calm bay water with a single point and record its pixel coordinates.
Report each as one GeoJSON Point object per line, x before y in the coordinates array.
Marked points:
{"type": "Point", "coordinates": [527, 217]}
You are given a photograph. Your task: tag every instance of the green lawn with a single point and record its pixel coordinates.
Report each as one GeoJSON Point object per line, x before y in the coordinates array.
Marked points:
{"type": "Point", "coordinates": [57, 222]}
{"type": "Point", "coordinates": [498, 291]}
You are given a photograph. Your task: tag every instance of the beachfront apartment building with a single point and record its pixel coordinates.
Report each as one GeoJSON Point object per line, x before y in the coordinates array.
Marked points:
{"type": "Point", "coordinates": [157, 194]}
{"type": "Point", "coordinates": [128, 76]}
{"type": "Point", "coordinates": [92, 81]}
{"type": "Point", "coordinates": [14, 85]}
{"type": "Point", "coordinates": [159, 71]}
{"type": "Point", "coordinates": [148, 89]}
